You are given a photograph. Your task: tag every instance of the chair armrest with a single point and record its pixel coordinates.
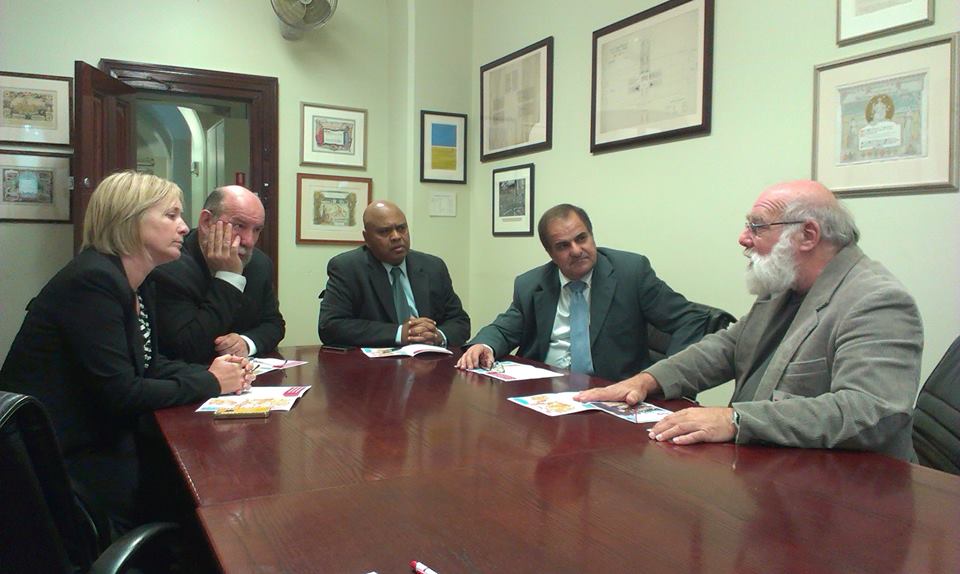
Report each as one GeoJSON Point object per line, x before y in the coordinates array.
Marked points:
{"type": "Point", "coordinates": [127, 548]}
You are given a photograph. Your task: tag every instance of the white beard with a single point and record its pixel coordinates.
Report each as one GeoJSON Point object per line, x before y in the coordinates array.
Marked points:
{"type": "Point", "coordinates": [772, 273]}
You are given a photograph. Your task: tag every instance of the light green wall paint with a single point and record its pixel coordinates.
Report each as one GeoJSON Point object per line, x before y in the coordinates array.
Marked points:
{"type": "Point", "coordinates": [680, 203]}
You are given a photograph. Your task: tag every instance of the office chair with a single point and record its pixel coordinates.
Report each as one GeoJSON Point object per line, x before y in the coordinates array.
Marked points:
{"type": "Point", "coordinates": [936, 420]}
{"type": "Point", "coordinates": [44, 527]}
{"type": "Point", "coordinates": [658, 342]}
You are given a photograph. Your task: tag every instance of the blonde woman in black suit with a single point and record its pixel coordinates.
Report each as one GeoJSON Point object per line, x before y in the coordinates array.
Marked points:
{"type": "Point", "coordinates": [87, 347]}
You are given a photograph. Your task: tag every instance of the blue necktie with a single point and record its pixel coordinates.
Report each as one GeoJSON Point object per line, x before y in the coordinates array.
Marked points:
{"type": "Point", "coordinates": [580, 359]}
{"type": "Point", "coordinates": [399, 297]}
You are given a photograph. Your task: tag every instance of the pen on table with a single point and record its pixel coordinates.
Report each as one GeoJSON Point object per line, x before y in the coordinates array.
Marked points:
{"type": "Point", "coordinates": [421, 568]}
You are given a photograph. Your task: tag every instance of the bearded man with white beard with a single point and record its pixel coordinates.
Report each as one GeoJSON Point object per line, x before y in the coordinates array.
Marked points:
{"type": "Point", "coordinates": [828, 356]}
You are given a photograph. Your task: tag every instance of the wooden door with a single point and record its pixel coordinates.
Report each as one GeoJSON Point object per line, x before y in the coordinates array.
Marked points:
{"type": "Point", "coordinates": [104, 135]}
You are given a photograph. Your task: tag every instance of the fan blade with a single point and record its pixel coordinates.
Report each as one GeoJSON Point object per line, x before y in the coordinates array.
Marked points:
{"type": "Point", "coordinates": [289, 11]}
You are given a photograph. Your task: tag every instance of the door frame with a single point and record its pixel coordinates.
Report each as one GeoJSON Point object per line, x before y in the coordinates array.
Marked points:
{"type": "Point", "coordinates": [260, 94]}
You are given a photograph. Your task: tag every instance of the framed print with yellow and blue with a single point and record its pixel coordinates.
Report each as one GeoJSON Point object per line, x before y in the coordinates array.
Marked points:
{"type": "Point", "coordinates": [443, 147]}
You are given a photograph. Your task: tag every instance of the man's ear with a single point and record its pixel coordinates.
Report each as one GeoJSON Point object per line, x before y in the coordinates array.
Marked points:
{"type": "Point", "coordinates": [809, 236]}
{"type": "Point", "coordinates": [206, 218]}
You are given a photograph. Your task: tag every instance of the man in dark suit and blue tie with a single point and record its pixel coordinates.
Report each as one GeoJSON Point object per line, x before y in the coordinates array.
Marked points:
{"type": "Point", "coordinates": [385, 294]}
{"type": "Point", "coordinates": [588, 308]}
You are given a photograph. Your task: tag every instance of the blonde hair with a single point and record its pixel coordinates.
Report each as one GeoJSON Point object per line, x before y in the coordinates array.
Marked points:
{"type": "Point", "coordinates": [112, 222]}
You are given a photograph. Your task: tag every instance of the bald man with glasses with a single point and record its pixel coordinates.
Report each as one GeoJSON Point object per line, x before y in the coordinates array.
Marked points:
{"type": "Point", "coordinates": [829, 355]}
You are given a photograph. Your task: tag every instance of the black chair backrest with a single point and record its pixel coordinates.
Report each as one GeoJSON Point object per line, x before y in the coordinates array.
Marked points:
{"type": "Point", "coordinates": [658, 342]}
{"type": "Point", "coordinates": [41, 528]}
{"type": "Point", "coordinates": [936, 422]}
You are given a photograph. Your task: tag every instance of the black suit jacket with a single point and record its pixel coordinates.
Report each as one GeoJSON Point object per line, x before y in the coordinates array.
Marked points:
{"type": "Point", "coordinates": [80, 352]}
{"type": "Point", "coordinates": [196, 308]}
{"type": "Point", "coordinates": [625, 295]}
{"type": "Point", "coordinates": [357, 307]}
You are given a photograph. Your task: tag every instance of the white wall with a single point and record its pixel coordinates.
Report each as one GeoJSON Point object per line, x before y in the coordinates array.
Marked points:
{"type": "Point", "coordinates": [683, 203]}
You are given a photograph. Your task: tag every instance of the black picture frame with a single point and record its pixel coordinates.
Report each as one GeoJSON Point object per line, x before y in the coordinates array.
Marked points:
{"type": "Point", "coordinates": [512, 122]}
{"type": "Point", "coordinates": [512, 201]}
{"type": "Point", "coordinates": [434, 153]}
{"type": "Point", "coordinates": [631, 105]}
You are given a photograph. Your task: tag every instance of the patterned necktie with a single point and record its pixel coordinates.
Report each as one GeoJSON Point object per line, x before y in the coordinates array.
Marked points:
{"type": "Point", "coordinates": [580, 359]}
{"type": "Point", "coordinates": [399, 297]}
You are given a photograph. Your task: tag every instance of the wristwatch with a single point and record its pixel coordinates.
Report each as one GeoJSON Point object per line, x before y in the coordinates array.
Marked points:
{"type": "Point", "coordinates": [736, 421]}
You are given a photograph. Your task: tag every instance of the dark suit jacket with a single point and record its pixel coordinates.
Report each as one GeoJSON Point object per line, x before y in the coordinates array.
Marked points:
{"type": "Point", "coordinates": [80, 352]}
{"type": "Point", "coordinates": [625, 295]}
{"type": "Point", "coordinates": [196, 308]}
{"type": "Point", "coordinates": [357, 307]}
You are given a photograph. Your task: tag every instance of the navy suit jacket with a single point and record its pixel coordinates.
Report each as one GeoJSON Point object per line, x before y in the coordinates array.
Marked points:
{"type": "Point", "coordinates": [625, 295]}
{"type": "Point", "coordinates": [357, 307]}
{"type": "Point", "coordinates": [196, 308]}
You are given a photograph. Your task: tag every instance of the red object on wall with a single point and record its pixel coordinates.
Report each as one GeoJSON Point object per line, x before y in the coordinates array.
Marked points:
{"type": "Point", "coordinates": [240, 178]}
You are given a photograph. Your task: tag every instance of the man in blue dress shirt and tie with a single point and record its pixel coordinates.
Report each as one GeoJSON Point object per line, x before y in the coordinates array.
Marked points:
{"type": "Point", "coordinates": [588, 308]}
{"type": "Point", "coordinates": [384, 294]}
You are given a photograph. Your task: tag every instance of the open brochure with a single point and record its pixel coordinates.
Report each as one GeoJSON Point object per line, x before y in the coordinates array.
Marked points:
{"type": "Point", "coordinates": [407, 351]}
{"type": "Point", "coordinates": [265, 365]}
{"type": "Point", "coordinates": [276, 398]}
{"type": "Point", "coordinates": [513, 371]}
{"type": "Point", "coordinates": [555, 404]}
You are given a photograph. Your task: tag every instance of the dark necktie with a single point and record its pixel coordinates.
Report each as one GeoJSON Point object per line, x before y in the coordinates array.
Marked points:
{"type": "Point", "coordinates": [399, 297]}
{"type": "Point", "coordinates": [580, 359]}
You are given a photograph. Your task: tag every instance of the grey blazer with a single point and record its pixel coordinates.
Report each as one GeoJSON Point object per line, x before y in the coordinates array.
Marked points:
{"type": "Point", "coordinates": [845, 375]}
{"type": "Point", "coordinates": [626, 294]}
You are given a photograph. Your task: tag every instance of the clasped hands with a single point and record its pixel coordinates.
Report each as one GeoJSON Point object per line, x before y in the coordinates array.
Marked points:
{"type": "Point", "coordinates": [689, 426]}
{"type": "Point", "coordinates": [420, 330]}
{"type": "Point", "coordinates": [235, 374]}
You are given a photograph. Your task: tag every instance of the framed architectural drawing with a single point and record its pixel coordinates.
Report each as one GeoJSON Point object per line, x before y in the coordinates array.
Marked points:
{"type": "Point", "coordinates": [652, 76]}
{"type": "Point", "coordinates": [443, 147]}
{"type": "Point", "coordinates": [513, 200]}
{"type": "Point", "coordinates": [886, 122]}
{"type": "Point", "coordinates": [332, 135]}
{"type": "Point", "coordinates": [516, 102]}
{"type": "Point", "coordinates": [859, 20]}
{"type": "Point", "coordinates": [36, 187]}
{"type": "Point", "coordinates": [330, 208]}
{"type": "Point", "coordinates": [35, 109]}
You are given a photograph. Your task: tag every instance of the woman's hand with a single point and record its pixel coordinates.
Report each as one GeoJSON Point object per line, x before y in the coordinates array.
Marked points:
{"type": "Point", "coordinates": [235, 374]}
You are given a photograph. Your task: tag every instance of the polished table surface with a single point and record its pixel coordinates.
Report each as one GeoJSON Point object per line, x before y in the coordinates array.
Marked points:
{"type": "Point", "coordinates": [388, 460]}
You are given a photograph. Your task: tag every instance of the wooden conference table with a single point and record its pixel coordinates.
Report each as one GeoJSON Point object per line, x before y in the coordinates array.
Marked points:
{"type": "Point", "coordinates": [389, 460]}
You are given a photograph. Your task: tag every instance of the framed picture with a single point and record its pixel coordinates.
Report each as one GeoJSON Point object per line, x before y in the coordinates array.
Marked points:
{"type": "Point", "coordinates": [516, 102]}
{"type": "Point", "coordinates": [330, 208]}
{"type": "Point", "coordinates": [859, 20]}
{"type": "Point", "coordinates": [331, 135]}
{"type": "Point", "coordinates": [35, 109]}
{"type": "Point", "coordinates": [886, 122]}
{"type": "Point", "coordinates": [652, 76]}
{"type": "Point", "coordinates": [513, 200]}
{"type": "Point", "coordinates": [443, 147]}
{"type": "Point", "coordinates": [36, 187]}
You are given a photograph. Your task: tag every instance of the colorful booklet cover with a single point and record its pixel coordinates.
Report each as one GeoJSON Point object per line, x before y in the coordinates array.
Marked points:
{"type": "Point", "coordinates": [407, 351]}
{"type": "Point", "coordinates": [513, 371]}
{"type": "Point", "coordinates": [277, 398]}
{"type": "Point", "coordinates": [556, 404]}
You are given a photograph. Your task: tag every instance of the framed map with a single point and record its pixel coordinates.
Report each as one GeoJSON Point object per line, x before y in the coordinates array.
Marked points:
{"type": "Point", "coordinates": [330, 208]}
{"type": "Point", "coordinates": [36, 187]}
{"type": "Point", "coordinates": [35, 109]}
{"type": "Point", "coordinates": [332, 135]}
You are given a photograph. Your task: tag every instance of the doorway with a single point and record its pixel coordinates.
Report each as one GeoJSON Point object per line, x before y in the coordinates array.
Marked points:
{"type": "Point", "coordinates": [108, 101]}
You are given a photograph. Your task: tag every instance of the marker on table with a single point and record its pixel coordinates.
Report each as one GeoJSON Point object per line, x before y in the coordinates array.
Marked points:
{"type": "Point", "coordinates": [421, 568]}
